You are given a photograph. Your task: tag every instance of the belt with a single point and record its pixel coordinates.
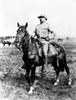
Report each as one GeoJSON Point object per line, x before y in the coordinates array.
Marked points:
{"type": "Point", "coordinates": [45, 38]}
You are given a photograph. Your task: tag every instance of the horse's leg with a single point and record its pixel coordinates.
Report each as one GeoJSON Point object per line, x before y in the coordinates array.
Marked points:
{"type": "Point", "coordinates": [57, 77]}
{"type": "Point", "coordinates": [63, 63]}
{"type": "Point", "coordinates": [27, 74]}
{"type": "Point", "coordinates": [42, 70]}
{"type": "Point", "coordinates": [55, 64]}
{"type": "Point", "coordinates": [56, 68]}
{"type": "Point", "coordinates": [23, 66]}
{"type": "Point", "coordinates": [68, 72]}
{"type": "Point", "coordinates": [32, 79]}
{"type": "Point", "coordinates": [33, 74]}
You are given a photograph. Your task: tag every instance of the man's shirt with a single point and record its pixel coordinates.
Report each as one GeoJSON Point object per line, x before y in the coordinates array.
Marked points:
{"type": "Point", "coordinates": [42, 30]}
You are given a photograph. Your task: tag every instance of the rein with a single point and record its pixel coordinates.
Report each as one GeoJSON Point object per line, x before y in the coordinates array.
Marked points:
{"type": "Point", "coordinates": [30, 43]}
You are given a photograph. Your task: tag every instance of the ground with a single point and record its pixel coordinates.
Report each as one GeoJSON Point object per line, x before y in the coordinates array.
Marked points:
{"type": "Point", "coordinates": [13, 85]}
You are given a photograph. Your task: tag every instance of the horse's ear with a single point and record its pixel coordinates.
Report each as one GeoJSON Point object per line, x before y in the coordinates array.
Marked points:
{"type": "Point", "coordinates": [26, 24]}
{"type": "Point", "coordinates": [18, 24]}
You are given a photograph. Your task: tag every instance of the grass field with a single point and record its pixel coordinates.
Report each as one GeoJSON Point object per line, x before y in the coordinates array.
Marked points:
{"type": "Point", "coordinates": [13, 85]}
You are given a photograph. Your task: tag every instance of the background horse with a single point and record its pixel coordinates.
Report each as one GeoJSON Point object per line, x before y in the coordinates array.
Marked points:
{"type": "Point", "coordinates": [6, 42]}
{"type": "Point", "coordinates": [32, 58]}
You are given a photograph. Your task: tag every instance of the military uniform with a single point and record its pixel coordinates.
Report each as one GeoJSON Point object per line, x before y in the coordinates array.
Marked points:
{"type": "Point", "coordinates": [43, 31]}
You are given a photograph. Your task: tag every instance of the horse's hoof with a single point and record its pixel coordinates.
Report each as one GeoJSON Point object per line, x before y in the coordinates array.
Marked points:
{"type": "Point", "coordinates": [31, 90]}
{"type": "Point", "coordinates": [70, 82]}
{"type": "Point", "coordinates": [56, 83]}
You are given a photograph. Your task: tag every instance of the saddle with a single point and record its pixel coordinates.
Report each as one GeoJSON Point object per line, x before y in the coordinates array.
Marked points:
{"type": "Point", "coordinates": [51, 49]}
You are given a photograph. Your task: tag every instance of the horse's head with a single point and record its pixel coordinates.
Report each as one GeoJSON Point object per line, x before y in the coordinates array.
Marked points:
{"type": "Point", "coordinates": [21, 33]}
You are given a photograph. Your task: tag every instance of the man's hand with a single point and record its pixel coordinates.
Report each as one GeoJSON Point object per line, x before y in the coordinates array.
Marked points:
{"type": "Point", "coordinates": [47, 38]}
{"type": "Point", "coordinates": [35, 37]}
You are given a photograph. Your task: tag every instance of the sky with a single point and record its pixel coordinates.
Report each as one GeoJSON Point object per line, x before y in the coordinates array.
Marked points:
{"type": "Point", "coordinates": [61, 15]}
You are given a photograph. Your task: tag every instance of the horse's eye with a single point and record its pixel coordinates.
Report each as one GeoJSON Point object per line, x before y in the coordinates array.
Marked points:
{"type": "Point", "coordinates": [20, 29]}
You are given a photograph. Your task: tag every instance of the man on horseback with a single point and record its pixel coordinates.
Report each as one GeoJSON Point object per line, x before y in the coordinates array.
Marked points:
{"type": "Point", "coordinates": [42, 32]}
{"type": "Point", "coordinates": [31, 57]}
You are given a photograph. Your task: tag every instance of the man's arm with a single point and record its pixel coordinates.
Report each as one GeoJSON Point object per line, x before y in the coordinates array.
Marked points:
{"type": "Point", "coordinates": [51, 31]}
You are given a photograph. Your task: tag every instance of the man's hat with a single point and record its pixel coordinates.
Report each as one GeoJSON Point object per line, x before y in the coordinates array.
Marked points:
{"type": "Point", "coordinates": [42, 16]}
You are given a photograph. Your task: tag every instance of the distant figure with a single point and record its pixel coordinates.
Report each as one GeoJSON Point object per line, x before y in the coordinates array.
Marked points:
{"type": "Point", "coordinates": [42, 32]}
{"type": "Point", "coordinates": [67, 38]}
{"type": "Point", "coordinates": [6, 42]}
{"type": "Point", "coordinates": [59, 39]}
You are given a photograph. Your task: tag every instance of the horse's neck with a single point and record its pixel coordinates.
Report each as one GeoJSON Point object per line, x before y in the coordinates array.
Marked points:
{"type": "Point", "coordinates": [32, 43]}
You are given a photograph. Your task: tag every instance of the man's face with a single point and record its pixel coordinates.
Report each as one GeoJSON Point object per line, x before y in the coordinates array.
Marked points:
{"type": "Point", "coordinates": [42, 20]}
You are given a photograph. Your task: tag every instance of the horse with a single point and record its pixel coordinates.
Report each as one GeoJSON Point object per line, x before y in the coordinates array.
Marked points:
{"type": "Point", "coordinates": [59, 39]}
{"type": "Point", "coordinates": [32, 58]}
{"type": "Point", "coordinates": [6, 42]}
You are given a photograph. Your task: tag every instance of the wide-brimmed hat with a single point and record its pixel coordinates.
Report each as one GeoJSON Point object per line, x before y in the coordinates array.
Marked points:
{"type": "Point", "coordinates": [42, 16]}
